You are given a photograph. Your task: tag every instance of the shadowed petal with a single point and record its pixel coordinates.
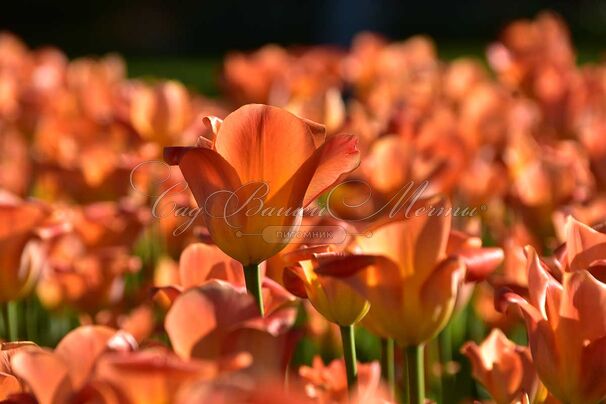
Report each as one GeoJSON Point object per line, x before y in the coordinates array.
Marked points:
{"type": "Point", "coordinates": [294, 281]}
{"type": "Point", "coordinates": [593, 369]}
{"type": "Point", "coordinates": [480, 262]}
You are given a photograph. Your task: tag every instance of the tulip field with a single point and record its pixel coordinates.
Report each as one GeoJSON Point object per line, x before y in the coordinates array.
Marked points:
{"type": "Point", "coordinates": [306, 224]}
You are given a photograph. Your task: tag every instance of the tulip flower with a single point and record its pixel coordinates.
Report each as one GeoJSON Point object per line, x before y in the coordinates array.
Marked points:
{"type": "Point", "coordinates": [252, 179]}
{"type": "Point", "coordinates": [160, 113]}
{"type": "Point", "coordinates": [503, 367]}
{"type": "Point", "coordinates": [327, 383]}
{"type": "Point", "coordinates": [20, 253]}
{"type": "Point", "coordinates": [9, 383]}
{"type": "Point", "coordinates": [154, 376]}
{"type": "Point", "coordinates": [67, 373]}
{"type": "Point", "coordinates": [331, 297]}
{"type": "Point", "coordinates": [566, 324]}
{"type": "Point", "coordinates": [411, 285]}
{"type": "Point", "coordinates": [227, 324]}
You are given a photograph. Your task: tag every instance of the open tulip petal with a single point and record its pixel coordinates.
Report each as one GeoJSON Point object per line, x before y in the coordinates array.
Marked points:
{"type": "Point", "coordinates": [213, 123]}
{"type": "Point", "coordinates": [545, 292]}
{"type": "Point", "coordinates": [183, 333]}
{"type": "Point", "coordinates": [481, 262]}
{"type": "Point", "coordinates": [584, 245]}
{"type": "Point", "coordinates": [582, 294]}
{"type": "Point", "coordinates": [201, 262]}
{"type": "Point", "coordinates": [338, 156]}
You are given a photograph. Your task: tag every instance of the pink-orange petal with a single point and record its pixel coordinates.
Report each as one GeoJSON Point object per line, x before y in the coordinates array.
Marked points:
{"type": "Point", "coordinates": [584, 245]}
{"type": "Point", "coordinates": [45, 374]}
{"type": "Point", "coordinates": [338, 156]}
{"type": "Point", "coordinates": [81, 348]}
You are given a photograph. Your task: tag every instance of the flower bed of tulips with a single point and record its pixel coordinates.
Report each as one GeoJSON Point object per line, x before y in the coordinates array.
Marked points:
{"type": "Point", "coordinates": [369, 225]}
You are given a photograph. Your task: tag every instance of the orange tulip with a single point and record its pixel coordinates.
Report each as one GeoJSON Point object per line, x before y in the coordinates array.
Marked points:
{"type": "Point", "coordinates": [160, 113]}
{"type": "Point", "coordinates": [261, 144]}
{"type": "Point", "coordinates": [254, 179]}
{"type": "Point", "coordinates": [154, 376]}
{"type": "Point", "coordinates": [566, 324]}
{"type": "Point", "coordinates": [331, 297]}
{"type": "Point", "coordinates": [412, 284]}
{"type": "Point", "coordinates": [327, 383]}
{"type": "Point", "coordinates": [504, 368]}
{"type": "Point", "coordinates": [20, 261]}
{"type": "Point", "coordinates": [67, 373]}
{"type": "Point", "coordinates": [227, 323]}
{"type": "Point", "coordinates": [9, 383]}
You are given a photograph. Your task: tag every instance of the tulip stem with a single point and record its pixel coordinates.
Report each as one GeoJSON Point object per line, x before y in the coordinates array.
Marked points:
{"type": "Point", "coordinates": [388, 365]}
{"type": "Point", "coordinates": [6, 326]}
{"type": "Point", "coordinates": [415, 382]}
{"type": "Point", "coordinates": [349, 352]}
{"type": "Point", "coordinates": [252, 277]}
{"type": "Point", "coordinates": [11, 327]}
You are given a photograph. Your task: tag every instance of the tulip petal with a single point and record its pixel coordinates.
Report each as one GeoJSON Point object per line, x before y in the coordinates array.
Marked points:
{"type": "Point", "coordinates": [584, 245]}
{"type": "Point", "coordinates": [214, 124]}
{"type": "Point", "coordinates": [217, 190]}
{"type": "Point", "coordinates": [8, 385]}
{"type": "Point", "coordinates": [338, 156]}
{"type": "Point", "coordinates": [294, 281]}
{"type": "Point", "coordinates": [264, 143]}
{"type": "Point", "coordinates": [593, 369]}
{"type": "Point", "coordinates": [217, 306]}
{"type": "Point", "coordinates": [480, 262]}
{"type": "Point", "coordinates": [443, 283]}
{"type": "Point", "coordinates": [165, 296]}
{"type": "Point", "coordinates": [152, 376]}
{"type": "Point", "coordinates": [497, 364]}
{"type": "Point", "coordinates": [45, 374]}
{"type": "Point", "coordinates": [416, 244]}
{"type": "Point", "coordinates": [201, 262]}
{"type": "Point", "coordinates": [375, 278]}
{"type": "Point", "coordinates": [184, 334]}
{"type": "Point", "coordinates": [81, 348]}
{"type": "Point", "coordinates": [317, 130]}
{"type": "Point", "coordinates": [505, 298]}
{"type": "Point", "coordinates": [582, 294]}
{"type": "Point", "coordinates": [544, 291]}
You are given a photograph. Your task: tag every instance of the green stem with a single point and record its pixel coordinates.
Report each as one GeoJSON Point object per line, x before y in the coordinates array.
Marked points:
{"type": "Point", "coordinates": [388, 368]}
{"type": "Point", "coordinates": [415, 383]}
{"type": "Point", "coordinates": [5, 324]}
{"type": "Point", "coordinates": [12, 321]}
{"type": "Point", "coordinates": [349, 352]}
{"type": "Point", "coordinates": [252, 277]}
